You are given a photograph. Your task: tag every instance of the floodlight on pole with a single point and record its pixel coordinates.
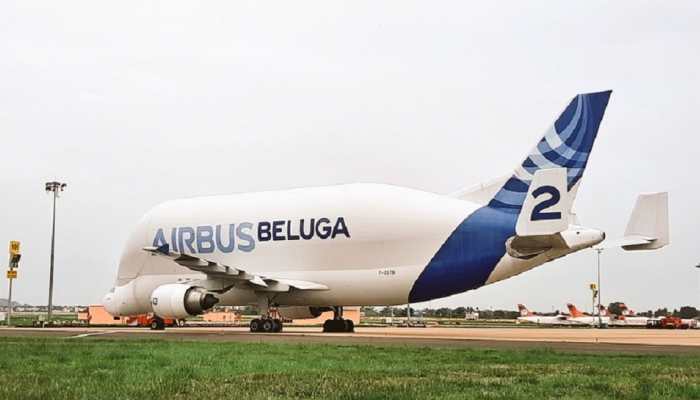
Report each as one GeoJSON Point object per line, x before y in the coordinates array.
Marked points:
{"type": "Point", "coordinates": [56, 188]}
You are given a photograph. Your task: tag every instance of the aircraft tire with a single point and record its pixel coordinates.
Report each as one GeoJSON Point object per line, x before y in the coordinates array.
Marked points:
{"type": "Point", "coordinates": [255, 325]}
{"type": "Point", "coordinates": [267, 325]}
{"type": "Point", "coordinates": [334, 326]}
{"type": "Point", "coordinates": [157, 324]}
{"type": "Point", "coordinates": [349, 326]}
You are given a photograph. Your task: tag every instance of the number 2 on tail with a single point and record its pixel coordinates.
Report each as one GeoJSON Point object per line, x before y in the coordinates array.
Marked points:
{"type": "Point", "coordinates": [538, 213]}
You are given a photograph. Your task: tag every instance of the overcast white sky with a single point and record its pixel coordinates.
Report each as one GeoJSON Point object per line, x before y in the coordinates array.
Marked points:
{"type": "Point", "coordinates": [134, 103]}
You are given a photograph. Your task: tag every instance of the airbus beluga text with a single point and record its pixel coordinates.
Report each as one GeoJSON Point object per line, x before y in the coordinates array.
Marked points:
{"type": "Point", "coordinates": [365, 244]}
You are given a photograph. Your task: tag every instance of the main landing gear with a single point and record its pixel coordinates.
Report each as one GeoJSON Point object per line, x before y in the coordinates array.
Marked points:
{"type": "Point", "coordinates": [338, 324]}
{"type": "Point", "coordinates": [270, 321]}
{"type": "Point", "coordinates": [266, 324]}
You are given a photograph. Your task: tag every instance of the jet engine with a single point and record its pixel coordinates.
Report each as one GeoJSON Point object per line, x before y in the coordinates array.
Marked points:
{"type": "Point", "coordinates": [179, 301]}
{"type": "Point", "coordinates": [301, 312]}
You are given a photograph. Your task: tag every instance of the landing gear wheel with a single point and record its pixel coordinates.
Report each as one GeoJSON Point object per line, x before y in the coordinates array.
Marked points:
{"type": "Point", "coordinates": [338, 325]}
{"type": "Point", "coordinates": [157, 324]}
{"type": "Point", "coordinates": [255, 325]}
{"type": "Point", "coordinates": [276, 325]}
{"type": "Point", "coordinates": [267, 325]}
{"type": "Point", "coordinates": [349, 326]}
{"type": "Point", "coordinates": [328, 325]}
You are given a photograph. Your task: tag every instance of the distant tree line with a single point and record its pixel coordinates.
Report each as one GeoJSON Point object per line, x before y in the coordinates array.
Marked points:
{"type": "Point", "coordinates": [443, 312]}
{"type": "Point", "coordinates": [461, 312]}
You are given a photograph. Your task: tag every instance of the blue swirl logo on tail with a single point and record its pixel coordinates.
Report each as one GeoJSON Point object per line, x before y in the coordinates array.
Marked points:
{"type": "Point", "coordinates": [472, 251]}
{"type": "Point", "coordinates": [567, 143]}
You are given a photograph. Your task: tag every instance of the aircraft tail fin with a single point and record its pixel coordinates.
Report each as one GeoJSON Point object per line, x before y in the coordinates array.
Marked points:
{"type": "Point", "coordinates": [545, 210]}
{"type": "Point", "coordinates": [567, 145]}
{"type": "Point", "coordinates": [574, 311]}
{"type": "Point", "coordinates": [524, 312]}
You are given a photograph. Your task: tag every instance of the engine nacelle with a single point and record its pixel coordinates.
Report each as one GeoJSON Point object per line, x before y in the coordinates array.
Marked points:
{"type": "Point", "coordinates": [179, 301]}
{"type": "Point", "coordinates": [301, 312]}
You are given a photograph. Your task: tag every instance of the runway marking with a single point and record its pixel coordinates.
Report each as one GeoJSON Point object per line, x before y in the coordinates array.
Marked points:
{"type": "Point", "coordinates": [82, 335]}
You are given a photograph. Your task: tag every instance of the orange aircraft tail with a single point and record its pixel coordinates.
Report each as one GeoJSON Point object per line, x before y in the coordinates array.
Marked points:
{"type": "Point", "coordinates": [574, 311]}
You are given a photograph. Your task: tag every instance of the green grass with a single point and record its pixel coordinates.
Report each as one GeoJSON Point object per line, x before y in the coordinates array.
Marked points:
{"type": "Point", "coordinates": [29, 319]}
{"type": "Point", "coordinates": [90, 368]}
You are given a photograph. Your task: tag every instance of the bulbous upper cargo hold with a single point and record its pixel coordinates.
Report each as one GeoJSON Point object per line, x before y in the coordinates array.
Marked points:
{"type": "Point", "coordinates": [346, 227]}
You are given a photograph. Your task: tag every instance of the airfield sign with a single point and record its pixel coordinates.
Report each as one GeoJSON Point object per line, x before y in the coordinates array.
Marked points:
{"type": "Point", "coordinates": [15, 255]}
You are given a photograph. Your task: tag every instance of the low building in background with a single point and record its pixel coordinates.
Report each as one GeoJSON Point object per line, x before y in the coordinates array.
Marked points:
{"type": "Point", "coordinates": [352, 313]}
{"type": "Point", "coordinates": [222, 317]}
{"type": "Point", "coordinates": [97, 315]}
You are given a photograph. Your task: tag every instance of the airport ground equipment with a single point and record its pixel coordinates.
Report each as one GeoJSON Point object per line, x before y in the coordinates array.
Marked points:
{"type": "Point", "coordinates": [367, 244]}
{"type": "Point", "coordinates": [671, 322]}
{"type": "Point", "coordinates": [154, 322]}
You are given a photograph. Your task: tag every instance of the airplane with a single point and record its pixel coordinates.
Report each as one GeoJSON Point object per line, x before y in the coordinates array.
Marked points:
{"type": "Point", "coordinates": [528, 316]}
{"type": "Point", "coordinates": [627, 317]}
{"type": "Point", "coordinates": [297, 253]}
{"type": "Point", "coordinates": [581, 318]}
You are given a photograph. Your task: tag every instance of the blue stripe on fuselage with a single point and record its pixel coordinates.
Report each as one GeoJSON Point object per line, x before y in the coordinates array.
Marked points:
{"type": "Point", "coordinates": [467, 257]}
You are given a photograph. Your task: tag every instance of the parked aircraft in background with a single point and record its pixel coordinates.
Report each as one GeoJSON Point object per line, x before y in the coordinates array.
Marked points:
{"type": "Point", "coordinates": [581, 318]}
{"type": "Point", "coordinates": [627, 317]}
{"type": "Point", "coordinates": [296, 253]}
{"type": "Point", "coordinates": [528, 316]}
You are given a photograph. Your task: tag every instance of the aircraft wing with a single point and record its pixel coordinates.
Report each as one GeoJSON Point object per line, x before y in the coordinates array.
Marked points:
{"type": "Point", "coordinates": [233, 276]}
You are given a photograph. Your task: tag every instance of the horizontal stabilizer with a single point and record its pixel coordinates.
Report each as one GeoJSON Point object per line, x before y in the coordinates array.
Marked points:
{"type": "Point", "coordinates": [649, 220]}
{"type": "Point", "coordinates": [546, 206]}
{"type": "Point", "coordinates": [648, 227]}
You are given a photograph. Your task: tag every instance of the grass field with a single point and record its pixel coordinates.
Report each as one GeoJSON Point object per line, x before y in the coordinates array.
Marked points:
{"type": "Point", "coordinates": [92, 368]}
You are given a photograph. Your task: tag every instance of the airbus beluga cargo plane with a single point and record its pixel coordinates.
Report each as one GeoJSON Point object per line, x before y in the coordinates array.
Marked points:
{"type": "Point", "coordinates": [299, 252]}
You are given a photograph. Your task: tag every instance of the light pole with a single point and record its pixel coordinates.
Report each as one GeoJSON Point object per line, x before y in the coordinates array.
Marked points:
{"type": "Point", "coordinates": [56, 188]}
{"type": "Point", "coordinates": [698, 267]}
{"type": "Point", "coordinates": [600, 318]}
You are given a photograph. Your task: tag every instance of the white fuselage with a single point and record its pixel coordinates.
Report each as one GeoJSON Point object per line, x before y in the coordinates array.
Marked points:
{"type": "Point", "coordinates": [370, 245]}
{"type": "Point", "coordinates": [546, 319]}
{"type": "Point", "coordinates": [592, 320]}
{"type": "Point", "coordinates": [629, 321]}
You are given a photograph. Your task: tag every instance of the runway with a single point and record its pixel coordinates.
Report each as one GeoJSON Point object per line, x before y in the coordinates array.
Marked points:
{"type": "Point", "coordinates": [580, 340]}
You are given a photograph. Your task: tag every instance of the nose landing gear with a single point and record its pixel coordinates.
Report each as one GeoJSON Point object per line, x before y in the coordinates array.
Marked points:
{"type": "Point", "coordinates": [270, 321]}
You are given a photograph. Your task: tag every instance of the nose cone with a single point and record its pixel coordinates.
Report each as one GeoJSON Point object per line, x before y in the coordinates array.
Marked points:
{"type": "Point", "coordinates": [110, 304]}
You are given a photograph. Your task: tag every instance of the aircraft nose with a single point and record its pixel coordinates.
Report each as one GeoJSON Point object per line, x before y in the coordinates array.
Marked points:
{"type": "Point", "coordinates": [110, 306]}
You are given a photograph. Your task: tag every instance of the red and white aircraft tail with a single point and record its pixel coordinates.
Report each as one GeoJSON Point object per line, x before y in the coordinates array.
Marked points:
{"type": "Point", "coordinates": [575, 312]}
{"type": "Point", "coordinates": [524, 312]}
